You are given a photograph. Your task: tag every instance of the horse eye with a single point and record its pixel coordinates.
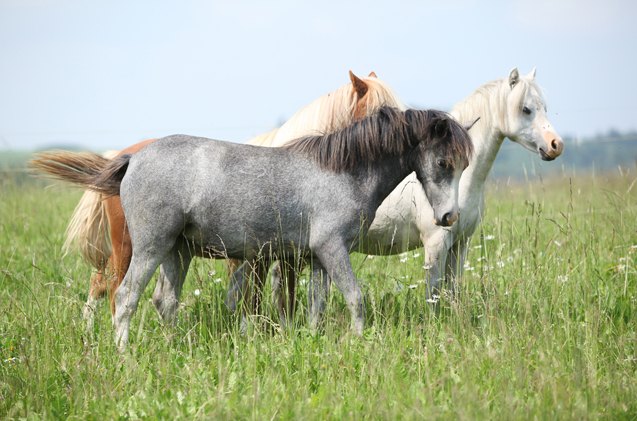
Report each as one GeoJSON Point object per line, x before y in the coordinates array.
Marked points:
{"type": "Point", "coordinates": [442, 163]}
{"type": "Point", "coordinates": [526, 110]}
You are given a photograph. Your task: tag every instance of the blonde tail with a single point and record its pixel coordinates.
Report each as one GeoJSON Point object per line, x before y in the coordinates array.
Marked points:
{"type": "Point", "coordinates": [88, 229]}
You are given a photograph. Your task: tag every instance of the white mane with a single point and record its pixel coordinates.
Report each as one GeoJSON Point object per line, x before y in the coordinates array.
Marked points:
{"type": "Point", "coordinates": [492, 100]}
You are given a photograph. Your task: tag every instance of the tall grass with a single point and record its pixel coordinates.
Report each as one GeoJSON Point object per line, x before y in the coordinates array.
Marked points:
{"type": "Point", "coordinates": [544, 325]}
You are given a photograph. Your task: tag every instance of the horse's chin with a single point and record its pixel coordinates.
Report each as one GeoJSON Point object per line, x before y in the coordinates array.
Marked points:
{"type": "Point", "coordinates": [545, 156]}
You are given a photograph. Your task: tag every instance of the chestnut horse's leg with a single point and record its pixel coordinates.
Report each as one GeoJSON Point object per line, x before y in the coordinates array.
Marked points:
{"type": "Point", "coordinates": [97, 290]}
{"type": "Point", "coordinates": [122, 249]}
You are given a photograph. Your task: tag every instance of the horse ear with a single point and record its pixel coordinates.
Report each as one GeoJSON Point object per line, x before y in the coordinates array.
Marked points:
{"type": "Point", "coordinates": [359, 85]}
{"type": "Point", "coordinates": [467, 128]}
{"type": "Point", "coordinates": [531, 74]}
{"type": "Point", "coordinates": [373, 74]}
{"type": "Point", "coordinates": [514, 77]}
{"type": "Point", "coordinates": [440, 128]}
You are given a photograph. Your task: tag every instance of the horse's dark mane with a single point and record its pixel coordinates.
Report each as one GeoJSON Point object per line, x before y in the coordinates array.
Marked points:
{"type": "Point", "coordinates": [389, 131]}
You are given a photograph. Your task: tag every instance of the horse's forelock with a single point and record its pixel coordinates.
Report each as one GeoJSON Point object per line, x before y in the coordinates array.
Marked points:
{"type": "Point", "coordinates": [381, 95]}
{"type": "Point", "coordinates": [455, 143]}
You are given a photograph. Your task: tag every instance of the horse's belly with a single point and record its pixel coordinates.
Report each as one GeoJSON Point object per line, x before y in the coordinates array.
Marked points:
{"type": "Point", "coordinates": [390, 239]}
{"type": "Point", "coordinates": [245, 240]}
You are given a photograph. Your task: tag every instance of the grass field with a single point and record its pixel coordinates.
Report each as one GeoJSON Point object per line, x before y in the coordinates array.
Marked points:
{"type": "Point", "coordinates": [544, 327]}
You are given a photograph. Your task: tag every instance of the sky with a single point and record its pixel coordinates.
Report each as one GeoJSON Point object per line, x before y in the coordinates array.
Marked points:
{"type": "Point", "coordinates": [106, 74]}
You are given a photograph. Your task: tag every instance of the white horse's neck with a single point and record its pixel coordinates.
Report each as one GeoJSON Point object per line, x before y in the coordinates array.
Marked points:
{"type": "Point", "coordinates": [489, 103]}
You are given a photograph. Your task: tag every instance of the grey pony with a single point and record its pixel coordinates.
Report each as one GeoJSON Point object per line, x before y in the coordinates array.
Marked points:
{"type": "Point", "coordinates": [312, 199]}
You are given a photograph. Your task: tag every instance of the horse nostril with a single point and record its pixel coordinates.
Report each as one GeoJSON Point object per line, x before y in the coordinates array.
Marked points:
{"type": "Point", "coordinates": [555, 144]}
{"type": "Point", "coordinates": [448, 219]}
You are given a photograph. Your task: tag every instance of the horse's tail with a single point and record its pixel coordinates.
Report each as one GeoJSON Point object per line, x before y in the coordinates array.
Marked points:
{"type": "Point", "coordinates": [88, 229]}
{"type": "Point", "coordinates": [84, 169]}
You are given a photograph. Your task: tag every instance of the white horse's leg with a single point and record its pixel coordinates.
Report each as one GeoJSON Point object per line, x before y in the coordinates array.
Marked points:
{"type": "Point", "coordinates": [238, 286]}
{"type": "Point", "coordinates": [455, 264]}
{"type": "Point", "coordinates": [172, 275]}
{"type": "Point", "coordinates": [129, 292]}
{"type": "Point", "coordinates": [334, 257]}
{"type": "Point", "coordinates": [436, 249]}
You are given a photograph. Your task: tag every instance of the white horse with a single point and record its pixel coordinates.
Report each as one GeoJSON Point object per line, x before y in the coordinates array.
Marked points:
{"type": "Point", "coordinates": [512, 108]}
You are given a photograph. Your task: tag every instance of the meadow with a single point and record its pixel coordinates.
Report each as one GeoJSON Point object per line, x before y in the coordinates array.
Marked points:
{"type": "Point", "coordinates": [544, 325]}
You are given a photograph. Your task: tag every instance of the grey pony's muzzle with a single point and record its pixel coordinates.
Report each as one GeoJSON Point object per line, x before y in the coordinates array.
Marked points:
{"type": "Point", "coordinates": [448, 219]}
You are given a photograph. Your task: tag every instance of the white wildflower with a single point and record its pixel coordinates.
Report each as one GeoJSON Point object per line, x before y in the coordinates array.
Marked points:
{"type": "Point", "coordinates": [434, 299]}
{"type": "Point", "coordinates": [197, 293]}
{"type": "Point", "coordinates": [562, 278]}
{"type": "Point", "coordinates": [403, 259]}
{"type": "Point", "coordinates": [500, 264]}
{"type": "Point", "coordinates": [217, 280]}
{"type": "Point", "coordinates": [212, 273]}
{"type": "Point", "coordinates": [416, 255]}
{"type": "Point", "coordinates": [489, 237]}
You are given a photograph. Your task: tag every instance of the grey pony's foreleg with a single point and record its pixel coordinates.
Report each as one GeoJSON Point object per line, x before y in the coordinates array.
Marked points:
{"type": "Point", "coordinates": [334, 257]}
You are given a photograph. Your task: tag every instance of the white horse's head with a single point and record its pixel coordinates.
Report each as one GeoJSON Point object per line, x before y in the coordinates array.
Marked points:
{"type": "Point", "coordinates": [526, 122]}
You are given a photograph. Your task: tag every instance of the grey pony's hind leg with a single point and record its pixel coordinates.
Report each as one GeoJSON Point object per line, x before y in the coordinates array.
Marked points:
{"type": "Point", "coordinates": [130, 291]}
{"type": "Point", "coordinates": [171, 279]}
